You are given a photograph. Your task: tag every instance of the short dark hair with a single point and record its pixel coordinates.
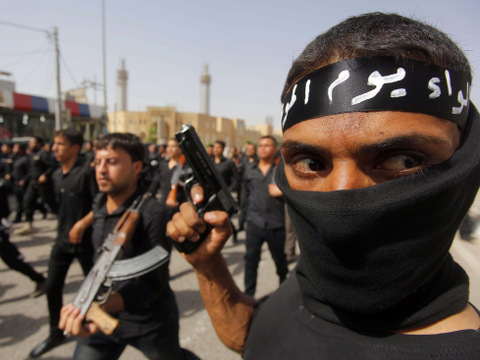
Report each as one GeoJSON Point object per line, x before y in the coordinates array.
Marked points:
{"type": "Point", "coordinates": [379, 34]}
{"type": "Point", "coordinates": [39, 140]}
{"type": "Point", "coordinates": [248, 142]}
{"type": "Point", "coordinates": [73, 136]}
{"type": "Point", "coordinates": [275, 142]}
{"type": "Point", "coordinates": [222, 143]}
{"type": "Point", "coordinates": [130, 143]}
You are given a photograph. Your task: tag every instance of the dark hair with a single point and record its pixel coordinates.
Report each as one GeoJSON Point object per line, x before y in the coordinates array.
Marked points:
{"type": "Point", "coordinates": [39, 140]}
{"type": "Point", "coordinates": [379, 34]}
{"type": "Point", "coordinates": [130, 143]}
{"type": "Point", "coordinates": [73, 136]}
{"type": "Point", "coordinates": [222, 143]}
{"type": "Point", "coordinates": [275, 142]}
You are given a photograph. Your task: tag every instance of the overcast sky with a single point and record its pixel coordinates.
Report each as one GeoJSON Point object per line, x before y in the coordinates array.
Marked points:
{"type": "Point", "coordinates": [249, 46]}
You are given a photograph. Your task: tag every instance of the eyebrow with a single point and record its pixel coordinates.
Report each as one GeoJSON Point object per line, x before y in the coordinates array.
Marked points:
{"type": "Point", "coordinates": [398, 142]}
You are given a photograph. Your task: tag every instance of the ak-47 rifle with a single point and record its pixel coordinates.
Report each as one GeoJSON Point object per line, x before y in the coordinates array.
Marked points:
{"type": "Point", "coordinates": [216, 194]}
{"type": "Point", "coordinates": [97, 286]}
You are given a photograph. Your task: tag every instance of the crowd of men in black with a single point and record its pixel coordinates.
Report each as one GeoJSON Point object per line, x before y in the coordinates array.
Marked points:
{"type": "Point", "coordinates": [26, 186]}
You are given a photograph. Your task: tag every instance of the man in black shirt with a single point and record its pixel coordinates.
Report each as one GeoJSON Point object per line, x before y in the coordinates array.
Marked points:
{"type": "Point", "coordinates": [226, 167]}
{"type": "Point", "coordinates": [75, 188]}
{"type": "Point", "coordinates": [19, 178]}
{"type": "Point", "coordinates": [41, 168]}
{"type": "Point", "coordinates": [145, 306]}
{"type": "Point", "coordinates": [265, 215]}
{"type": "Point", "coordinates": [381, 162]}
{"type": "Point", "coordinates": [249, 157]}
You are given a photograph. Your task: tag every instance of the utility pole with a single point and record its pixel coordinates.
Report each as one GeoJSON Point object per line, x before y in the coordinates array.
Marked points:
{"type": "Point", "coordinates": [58, 105]}
{"type": "Point", "coordinates": [104, 61]}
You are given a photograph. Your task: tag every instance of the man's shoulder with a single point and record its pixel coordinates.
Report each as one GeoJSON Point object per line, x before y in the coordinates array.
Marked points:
{"type": "Point", "coordinates": [155, 206]}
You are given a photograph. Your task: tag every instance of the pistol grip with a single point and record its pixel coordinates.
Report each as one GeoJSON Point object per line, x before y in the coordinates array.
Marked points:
{"type": "Point", "coordinates": [189, 246]}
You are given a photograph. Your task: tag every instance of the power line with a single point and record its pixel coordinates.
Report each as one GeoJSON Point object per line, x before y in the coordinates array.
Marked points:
{"type": "Point", "coordinates": [68, 70]}
{"type": "Point", "coordinates": [33, 52]}
{"type": "Point", "coordinates": [25, 27]}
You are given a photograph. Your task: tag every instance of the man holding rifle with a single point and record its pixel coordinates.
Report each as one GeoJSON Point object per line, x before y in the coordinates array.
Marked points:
{"type": "Point", "coordinates": [145, 306]}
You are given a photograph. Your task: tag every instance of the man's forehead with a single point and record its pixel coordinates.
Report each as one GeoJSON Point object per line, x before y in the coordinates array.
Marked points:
{"type": "Point", "coordinates": [364, 128]}
{"type": "Point", "coordinates": [110, 152]}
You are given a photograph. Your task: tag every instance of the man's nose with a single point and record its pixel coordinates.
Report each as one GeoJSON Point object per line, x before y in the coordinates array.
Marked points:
{"type": "Point", "coordinates": [346, 176]}
{"type": "Point", "coordinates": [101, 166]}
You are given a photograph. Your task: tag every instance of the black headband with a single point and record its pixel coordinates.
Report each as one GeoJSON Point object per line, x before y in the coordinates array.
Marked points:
{"type": "Point", "coordinates": [378, 84]}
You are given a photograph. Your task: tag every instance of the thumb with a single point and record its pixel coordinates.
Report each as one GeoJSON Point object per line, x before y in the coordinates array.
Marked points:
{"type": "Point", "coordinates": [220, 221]}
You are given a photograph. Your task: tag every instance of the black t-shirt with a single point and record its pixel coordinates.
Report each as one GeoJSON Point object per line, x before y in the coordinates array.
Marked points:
{"type": "Point", "coordinates": [228, 171]}
{"type": "Point", "coordinates": [264, 210]}
{"type": "Point", "coordinates": [74, 193]}
{"type": "Point", "coordinates": [148, 299]}
{"type": "Point", "coordinates": [284, 329]}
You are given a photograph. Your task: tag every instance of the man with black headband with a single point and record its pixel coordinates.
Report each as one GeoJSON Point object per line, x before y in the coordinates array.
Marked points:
{"type": "Point", "coordinates": [381, 162]}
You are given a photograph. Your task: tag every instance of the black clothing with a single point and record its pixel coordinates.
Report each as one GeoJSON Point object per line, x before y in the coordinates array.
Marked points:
{"type": "Point", "coordinates": [283, 329]}
{"type": "Point", "coordinates": [148, 299]}
{"type": "Point", "coordinates": [380, 255]}
{"type": "Point", "coordinates": [40, 163]}
{"type": "Point", "coordinates": [60, 260]}
{"type": "Point", "coordinates": [165, 174]}
{"type": "Point", "coordinates": [20, 173]}
{"type": "Point", "coordinates": [242, 198]}
{"type": "Point", "coordinates": [6, 165]}
{"type": "Point", "coordinates": [74, 192]}
{"type": "Point", "coordinates": [20, 169]}
{"type": "Point", "coordinates": [227, 169]}
{"type": "Point", "coordinates": [275, 239]}
{"type": "Point", "coordinates": [265, 222]}
{"type": "Point", "coordinates": [13, 259]}
{"type": "Point", "coordinates": [265, 211]}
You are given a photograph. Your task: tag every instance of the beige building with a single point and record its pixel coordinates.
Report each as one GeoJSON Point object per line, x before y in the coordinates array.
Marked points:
{"type": "Point", "coordinates": [158, 124]}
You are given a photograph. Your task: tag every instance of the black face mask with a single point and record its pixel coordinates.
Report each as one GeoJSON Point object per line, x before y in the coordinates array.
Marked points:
{"type": "Point", "coordinates": [378, 257]}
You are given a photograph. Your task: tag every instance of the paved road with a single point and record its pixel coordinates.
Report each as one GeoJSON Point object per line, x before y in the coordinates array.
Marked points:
{"type": "Point", "coordinates": [23, 321]}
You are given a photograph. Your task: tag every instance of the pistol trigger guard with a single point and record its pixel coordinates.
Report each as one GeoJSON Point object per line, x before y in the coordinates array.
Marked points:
{"type": "Point", "coordinates": [188, 185]}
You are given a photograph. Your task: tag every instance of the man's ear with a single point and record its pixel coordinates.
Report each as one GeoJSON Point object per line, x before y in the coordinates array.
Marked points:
{"type": "Point", "coordinates": [137, 167]}
{"type": "Point", "coordinates": [77, 148]}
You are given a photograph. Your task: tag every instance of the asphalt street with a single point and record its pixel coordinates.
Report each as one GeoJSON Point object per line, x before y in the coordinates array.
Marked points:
{"type": "Point", "coordinates": [24, 321]}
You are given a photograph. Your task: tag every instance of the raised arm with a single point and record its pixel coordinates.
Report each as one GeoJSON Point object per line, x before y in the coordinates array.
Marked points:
{"type": "Point", "coordinates": [229, 309]}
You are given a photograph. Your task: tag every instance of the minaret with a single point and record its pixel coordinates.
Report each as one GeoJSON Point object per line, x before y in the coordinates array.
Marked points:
{"type": "Point", "coordinates": [205, 80]}
{"type": "Point", "coordinates": [122, 77]}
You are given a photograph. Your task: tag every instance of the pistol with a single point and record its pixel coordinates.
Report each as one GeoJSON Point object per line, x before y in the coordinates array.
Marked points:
{"type": "Point", "coordinates": [217, 196]}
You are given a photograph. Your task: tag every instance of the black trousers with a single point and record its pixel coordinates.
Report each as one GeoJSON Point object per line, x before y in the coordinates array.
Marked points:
{"type": "Point", "coordinates": [275, 239]}
{"type": "Point", "coordinates": [19, 191]}
{"type": "Point", "coordinates": [33, 192]}
{"type": "Point", "coordinates": [60, 260]}
{"type": "Point", "coordinates": [11, 256]}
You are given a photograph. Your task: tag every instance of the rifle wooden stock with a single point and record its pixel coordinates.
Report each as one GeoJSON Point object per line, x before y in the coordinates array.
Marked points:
{"type": "Point", "coordinates": [127, 228]}
{"type": "Point", "coordinates": [106, 323]}
{"type": "Point", "coordinates": [171, 199]}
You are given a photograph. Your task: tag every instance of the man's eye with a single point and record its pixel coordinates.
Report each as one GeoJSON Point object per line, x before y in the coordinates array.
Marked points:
{"type": "Point", "coordinates": [400, 163]}
{"type": "Point", "coordinates": [308, 166]}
